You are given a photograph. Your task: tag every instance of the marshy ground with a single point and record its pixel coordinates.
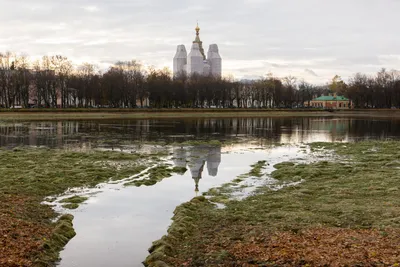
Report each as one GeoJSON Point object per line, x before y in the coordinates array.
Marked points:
{"type": "Point", "coordinates": [344, 213]}
{"type": "Point", "coordinates": [343, 210]}
{"type": "Point", "coordinates": [28, 236]}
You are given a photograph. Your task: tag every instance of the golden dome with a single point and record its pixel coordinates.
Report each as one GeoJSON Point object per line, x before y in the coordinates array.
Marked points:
{"type": "Point", "coordinates": [197, 28]}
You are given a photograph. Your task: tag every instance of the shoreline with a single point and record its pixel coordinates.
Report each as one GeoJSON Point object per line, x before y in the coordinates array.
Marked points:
{"type": "Point", "coordinates": [140, 114]}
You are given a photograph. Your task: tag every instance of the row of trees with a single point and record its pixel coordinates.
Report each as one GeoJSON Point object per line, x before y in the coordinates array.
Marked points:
{"type": "Point", "coordinates": [54, 81]}
{"type": "Point", "coordinates": [379, 91]}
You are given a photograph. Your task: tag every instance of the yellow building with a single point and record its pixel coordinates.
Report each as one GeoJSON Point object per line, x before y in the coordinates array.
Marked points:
{"type": "Point", "coordinates": [329, 102]}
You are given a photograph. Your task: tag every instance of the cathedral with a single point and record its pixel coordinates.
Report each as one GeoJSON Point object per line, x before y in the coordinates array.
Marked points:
{"type": "Point", "coordinates": [197, 62]}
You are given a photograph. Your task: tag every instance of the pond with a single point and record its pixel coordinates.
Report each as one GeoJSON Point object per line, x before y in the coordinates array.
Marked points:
{"type": "Point", "coordinates": [98, 133]}
{"type": "Point", "coordinates": [117, 224]}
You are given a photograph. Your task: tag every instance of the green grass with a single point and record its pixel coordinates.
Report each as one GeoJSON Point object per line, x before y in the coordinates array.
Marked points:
{"type": "Point", "coordinates": [360, 190]}
{"type": "Point", "coordinates": [71, 206]}
{"type": "Point", "coordinates": [44, 172]}
{"type": "Point", "coordinates": [62, 233]}
{"type": "Point", "coordinates": [157, 174]}
{"type": "Point", "coordinates": [257, 168]}
{"type": "Point", "coordinates": [283, 165]}
{"type": "Point", "coordinates": [73, 202]}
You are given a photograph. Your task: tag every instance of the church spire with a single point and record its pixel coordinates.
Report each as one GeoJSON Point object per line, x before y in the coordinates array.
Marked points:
{"type": "Point", "coordinates": [197, 29]}
{"type": "Point", "coordinates": [198, 41]}
{"type": "Point", "coordinates": [197, 174]}
{"type": "Point", "coordinates": [196, 184]}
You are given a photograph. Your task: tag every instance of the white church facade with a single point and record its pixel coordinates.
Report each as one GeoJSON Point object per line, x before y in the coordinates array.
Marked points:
{"type": "Point", "coordinates": [197, 62]}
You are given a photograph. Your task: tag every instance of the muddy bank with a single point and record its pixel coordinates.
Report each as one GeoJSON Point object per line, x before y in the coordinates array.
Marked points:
{"type": "Point", "coordinates": [343, 212]}
{"type": "Point", "coordinates": [98, 114]}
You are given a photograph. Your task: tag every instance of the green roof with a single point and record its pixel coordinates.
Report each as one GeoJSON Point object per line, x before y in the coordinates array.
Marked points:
{"type": "Point", "coordinates": [331, 98]}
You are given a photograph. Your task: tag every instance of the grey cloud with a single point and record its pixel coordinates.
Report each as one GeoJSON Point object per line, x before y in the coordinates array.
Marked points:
{"type": "Point", "coordinates": [329, 37]}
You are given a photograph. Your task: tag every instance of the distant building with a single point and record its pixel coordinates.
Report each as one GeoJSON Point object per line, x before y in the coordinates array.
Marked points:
{"type": "Point", "coordinates": [197, 62]}
{"type": "Point", "coordinates": [329, 102]}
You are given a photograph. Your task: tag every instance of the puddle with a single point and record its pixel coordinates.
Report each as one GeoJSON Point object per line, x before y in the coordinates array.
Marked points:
{"type": "Point", "coordinates": [116, 226]}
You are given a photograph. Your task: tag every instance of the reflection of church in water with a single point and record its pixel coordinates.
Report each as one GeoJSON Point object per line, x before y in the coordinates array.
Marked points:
{"type": "Point", "coordinates": [196, 158]}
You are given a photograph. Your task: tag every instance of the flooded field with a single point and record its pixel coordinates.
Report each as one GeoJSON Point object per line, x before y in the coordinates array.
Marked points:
{"type": "Point", "coordinates": [118, 222]}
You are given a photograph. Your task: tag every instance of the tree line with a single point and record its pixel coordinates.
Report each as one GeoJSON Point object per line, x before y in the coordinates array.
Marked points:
{"type": "Point", "coordinates": [53, 81]}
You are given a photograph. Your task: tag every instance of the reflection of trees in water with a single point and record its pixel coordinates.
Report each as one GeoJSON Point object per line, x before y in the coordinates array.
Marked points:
{"type": "Point", "coordinates": [273, 129]}
{"type": "Point", "coordinates": [37, 133]}
{"type": "Point", "coordinates": [195, 158]}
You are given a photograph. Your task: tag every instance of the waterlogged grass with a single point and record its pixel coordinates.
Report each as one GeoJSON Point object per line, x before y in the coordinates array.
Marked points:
{"type": "Point", "coordinates": [182, 228]}
{"type": "Point", "coordinates": [283, 165]}
{"type": "Point", "coordinates": [62, 232]}
{"type": "Point", "coordinates": [328, 219]}
{"type": "Point", "coordinates": [44, 172]}
{"type": "Point", "coordinates": [29, 175]}
{"type": "Point", "coordinates": [200, 142]}
{"type": "Point", "coordinates": [73, 202]}
{"type": "Point", "coordinates": [157, 174]}
{"type": "Point", "coordinates": [257, 168]}
{"type": "Point", "coordinates": [71, 206]}
{"type": "Point", "coordinates": [223, 193]}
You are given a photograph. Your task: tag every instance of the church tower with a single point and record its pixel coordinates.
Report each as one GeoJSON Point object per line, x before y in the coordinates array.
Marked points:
{"type": "Point", "coordinates": [197, 62]}
{"type": "Point", "coordinates": [180, 60]}
{"type": "Point", "coordinates": [215, 60]}
{"type": "Point", "coordinates": [198, 41]}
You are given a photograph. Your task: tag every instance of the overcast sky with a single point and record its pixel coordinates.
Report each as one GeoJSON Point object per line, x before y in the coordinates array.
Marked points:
{"type": "Point", "coordinates": [310, 39]}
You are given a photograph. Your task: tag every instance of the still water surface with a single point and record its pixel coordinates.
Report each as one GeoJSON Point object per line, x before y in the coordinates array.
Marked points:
{"type": "Point", "coordinates": [270, 130]}
{"type": "Point", "coordinates": [117, 225]}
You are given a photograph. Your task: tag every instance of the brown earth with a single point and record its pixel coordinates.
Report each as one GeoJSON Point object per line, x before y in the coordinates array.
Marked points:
{"type": "Point", "coordinates": [309, 247]}
{"type": "Point", "coordinates": [21, 235]}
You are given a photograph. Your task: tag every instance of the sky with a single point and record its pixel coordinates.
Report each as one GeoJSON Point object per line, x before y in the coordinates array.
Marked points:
{"type": "Point", "coordinates": [309, 39]}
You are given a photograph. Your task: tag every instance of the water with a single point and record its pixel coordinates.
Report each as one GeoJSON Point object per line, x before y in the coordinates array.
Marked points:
{"type": "Point", "coordinates": [121, 132]}
{"type": "Point", "coordinates": [117, 224]}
